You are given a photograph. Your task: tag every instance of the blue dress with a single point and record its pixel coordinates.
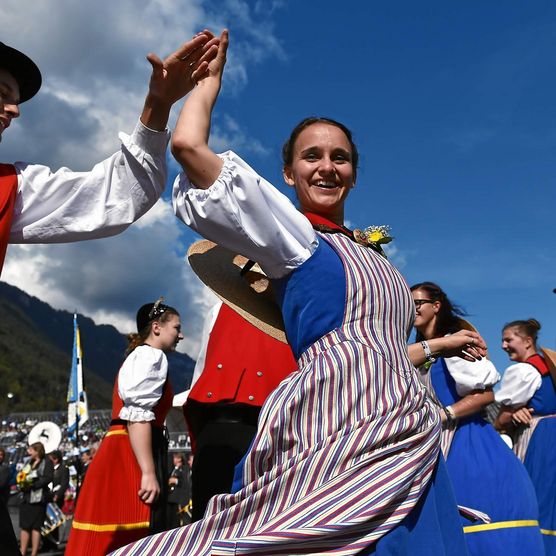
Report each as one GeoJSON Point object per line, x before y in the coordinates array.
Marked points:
{"type": "Point", "coordinates": [540, 458]}
{"type": "Point", "coordinates": [488, 476]}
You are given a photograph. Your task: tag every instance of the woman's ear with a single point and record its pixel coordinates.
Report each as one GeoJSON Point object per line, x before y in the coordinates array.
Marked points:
{"type": "Point", "coordinates": [155, 328]}
{"type": "Point", "coordinates": [288, 176]}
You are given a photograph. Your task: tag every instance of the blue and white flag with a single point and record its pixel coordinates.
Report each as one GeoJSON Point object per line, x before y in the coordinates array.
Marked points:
{"type": "Point", "coordinates": [77, 398]}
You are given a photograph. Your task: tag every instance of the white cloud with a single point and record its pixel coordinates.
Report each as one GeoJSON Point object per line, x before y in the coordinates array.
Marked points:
{"type": "Point", "coordinates": [110, 279]}
{"type": "Point", "coordinates": [92, 56]}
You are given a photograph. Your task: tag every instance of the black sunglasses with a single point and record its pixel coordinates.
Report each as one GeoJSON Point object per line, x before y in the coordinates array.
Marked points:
{"type": "Point", "coordinates": [419, 302]}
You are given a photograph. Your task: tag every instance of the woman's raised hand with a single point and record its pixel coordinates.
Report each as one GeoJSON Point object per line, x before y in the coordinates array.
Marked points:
{"type": "Point", "coordinates": [466, 344]}
{"type": "Point", "coordinates": [176, 76]}
{"type": "Point", "coordinates": [190, 138]}
{"type": "Point", "coordinates": [216, 65]}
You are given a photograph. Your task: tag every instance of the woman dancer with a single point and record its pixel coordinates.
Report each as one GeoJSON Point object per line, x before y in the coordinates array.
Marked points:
{"type": "Point", "coordinates": [123, 498]}
{"type": "Point", "coordinates": [485, 473]}
{"type": "Point", "coordinates": [346, 456]}
{"type": "Point", "coordinates": [528, 413]}
{"type": "Point", "coordinates": [32, 511]}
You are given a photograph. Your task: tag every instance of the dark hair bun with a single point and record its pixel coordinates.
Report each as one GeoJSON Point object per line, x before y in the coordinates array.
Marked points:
{"type": "Point", "coordinates": [534, 323]}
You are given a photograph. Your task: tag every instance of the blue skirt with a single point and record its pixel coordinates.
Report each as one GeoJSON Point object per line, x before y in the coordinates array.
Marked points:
{"type": "Point", "coordinates": [540, 462]}
{"type": "Point", "coordinates": [488, 477]}
{"type": "Point", "coordinates": [433, 528]}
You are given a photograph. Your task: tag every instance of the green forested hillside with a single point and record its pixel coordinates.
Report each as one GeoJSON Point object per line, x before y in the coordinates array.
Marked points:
{"type": "Point", "coordinates": [35, 356]}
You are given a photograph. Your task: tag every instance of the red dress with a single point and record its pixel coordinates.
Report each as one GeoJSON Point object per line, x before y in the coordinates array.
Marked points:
{"type": "Point", "coordinates": [109, 512]}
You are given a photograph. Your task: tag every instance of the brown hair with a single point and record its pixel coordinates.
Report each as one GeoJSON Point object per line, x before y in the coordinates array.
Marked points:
{"type": "Point", "coordinates": [39, 448]}
{"type": "Point", "coordinates": [136, 339]}
{"type": "Point", "coordinates": [447, 318]}
{"type": "Point", "coordinates": [525, 328]}
{"type": "Point", "coordinates": [287, 148]}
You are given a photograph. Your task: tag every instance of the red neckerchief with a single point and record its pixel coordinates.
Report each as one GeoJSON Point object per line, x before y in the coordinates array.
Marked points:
{"type": "Point", "coordinates": [539, 363]}
{"type": "Point", "coordinates": [322, 224]}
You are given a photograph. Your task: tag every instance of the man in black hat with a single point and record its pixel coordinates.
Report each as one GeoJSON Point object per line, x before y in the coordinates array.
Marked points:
{"type": "Point", "coordinates": [38, 205]}
{"type": "Point", "coordinates": [41, 206]}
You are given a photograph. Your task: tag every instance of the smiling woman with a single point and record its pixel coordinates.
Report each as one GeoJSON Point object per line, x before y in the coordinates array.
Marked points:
{"type": "Point", "coordinates": [320, 161]}
{"type": "Point", "coordinates": [528, 413]}
{"type": "Point", "coordinates": [485, 474]}
{"type": "Point", "coordinates": [346, 455]}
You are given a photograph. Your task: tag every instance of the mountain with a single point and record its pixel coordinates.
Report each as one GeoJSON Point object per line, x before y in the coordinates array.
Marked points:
{"type": "Point", "coordinates": [36, 343]}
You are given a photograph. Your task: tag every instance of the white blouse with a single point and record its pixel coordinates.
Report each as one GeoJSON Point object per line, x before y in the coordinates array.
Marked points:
{"type": "Point", "coordinates": [472, 375]}
{"type": "Point", "coordinates": [519, 384]}
{"type": "Point", "coordinates": [246, 214]}
{"type": "Point", "coordinates": [66, 206]}
{"type": "Point", "coordinates": [140, 383]}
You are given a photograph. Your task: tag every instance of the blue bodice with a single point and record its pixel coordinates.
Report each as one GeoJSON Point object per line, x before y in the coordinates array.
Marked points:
{"type": "Point", "coordinates": [544, 400]}
{"type": "Point", "coordinates": [312, 298]}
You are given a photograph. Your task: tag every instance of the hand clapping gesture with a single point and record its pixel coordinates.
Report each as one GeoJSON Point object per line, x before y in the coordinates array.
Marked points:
{"type": "Point", "coordinates": [175, 76]}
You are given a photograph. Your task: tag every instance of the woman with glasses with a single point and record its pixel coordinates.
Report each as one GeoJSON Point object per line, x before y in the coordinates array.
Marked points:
{"type": "Point", "coordinates": [124, 494]}
{"type": "Point", "coordinates": [528, 414]}
{"type": "Point", "coordinates": [485, 473]}
{"type": "Point", "coordinates": [346, 457]}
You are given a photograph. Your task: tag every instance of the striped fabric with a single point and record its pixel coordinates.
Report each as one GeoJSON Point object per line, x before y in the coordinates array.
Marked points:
{"type": "Point", "coordinates": [345, 446]}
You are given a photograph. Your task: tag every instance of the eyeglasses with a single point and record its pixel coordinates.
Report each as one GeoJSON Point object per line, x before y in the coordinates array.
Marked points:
{"type": "Point", "coordinates": [419, 302]}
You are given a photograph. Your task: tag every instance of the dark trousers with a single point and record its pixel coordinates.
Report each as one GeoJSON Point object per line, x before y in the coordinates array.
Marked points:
{"type": "Point", "coordinates": [220, 445]}
{"type": "Point", "coordinates": [8, 542]}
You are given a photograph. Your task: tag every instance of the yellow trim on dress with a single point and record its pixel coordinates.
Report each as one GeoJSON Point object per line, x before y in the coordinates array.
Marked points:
{"type": "Point", "coordinates": [501, 525]}
{"type": "Point", "coordinates": [110, 526]}
{"type": "Point", "coordinates": [113, 433]}
{"type": "Point", "coordinates": [548, 532]}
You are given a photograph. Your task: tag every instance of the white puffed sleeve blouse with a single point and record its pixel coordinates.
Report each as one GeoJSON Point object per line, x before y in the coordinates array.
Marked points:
{"type": "Point", "coordinates": [519, 384]}
{"type": "Point", "coordinates": [140, 383]}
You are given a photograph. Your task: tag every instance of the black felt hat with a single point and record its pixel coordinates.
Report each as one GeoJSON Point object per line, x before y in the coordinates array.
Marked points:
{"type": "Point", "coordinates": [23, 69]}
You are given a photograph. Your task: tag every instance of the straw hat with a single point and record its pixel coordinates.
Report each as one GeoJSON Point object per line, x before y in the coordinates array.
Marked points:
{"type": "Point", "coordinates": [466, 325]}
{"type": "Point", "coordinates": [249, 293]}
{"type": "Point", "coordinates": [550, 359]}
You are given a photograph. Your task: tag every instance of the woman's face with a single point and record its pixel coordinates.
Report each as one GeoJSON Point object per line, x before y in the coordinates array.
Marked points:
{"type": "Point", "coordinates": [169, 333]}
{"type": "Point", "coordinates": [425, 309]}
{"type": "Point", "coordinates": [321, 170]}
{"type": "Point", "coordinates": [32, 452]}
{"type": "Point", "coordinates": [517, 347]}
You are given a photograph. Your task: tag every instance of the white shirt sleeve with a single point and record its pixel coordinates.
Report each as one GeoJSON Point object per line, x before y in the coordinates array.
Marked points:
{"type": "Point", "coordinates": [66, 206]}
{"type": "Point", "coordinates": [519, 384]}
{"type": "Point", "coordinates": [246, 214]}
{"type": "Point", "coordinates": [472, 375]}
{"type": "Point", "coordinates": [140, 383]}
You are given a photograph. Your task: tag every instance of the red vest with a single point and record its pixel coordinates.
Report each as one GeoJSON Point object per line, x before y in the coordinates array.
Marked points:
{"type": "Point", "coordinates": [8, 193]}
{"type": "Point", "coordinates": [243, 364]}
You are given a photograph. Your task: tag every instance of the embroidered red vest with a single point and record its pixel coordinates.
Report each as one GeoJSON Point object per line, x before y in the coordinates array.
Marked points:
{"type": "Point", "coordinates": [8, 193]}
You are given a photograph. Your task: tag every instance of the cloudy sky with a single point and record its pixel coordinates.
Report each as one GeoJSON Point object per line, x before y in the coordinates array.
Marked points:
{"type": "Point", "coordinates": [452, 107]}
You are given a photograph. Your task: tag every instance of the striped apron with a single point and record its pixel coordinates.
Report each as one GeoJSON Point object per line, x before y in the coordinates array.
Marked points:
{"type": "Point", "coordinates": [345, 446]}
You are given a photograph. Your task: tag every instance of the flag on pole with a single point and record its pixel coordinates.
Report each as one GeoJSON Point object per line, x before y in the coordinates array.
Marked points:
{"type": "Point", "coordinates": [77, 398]}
